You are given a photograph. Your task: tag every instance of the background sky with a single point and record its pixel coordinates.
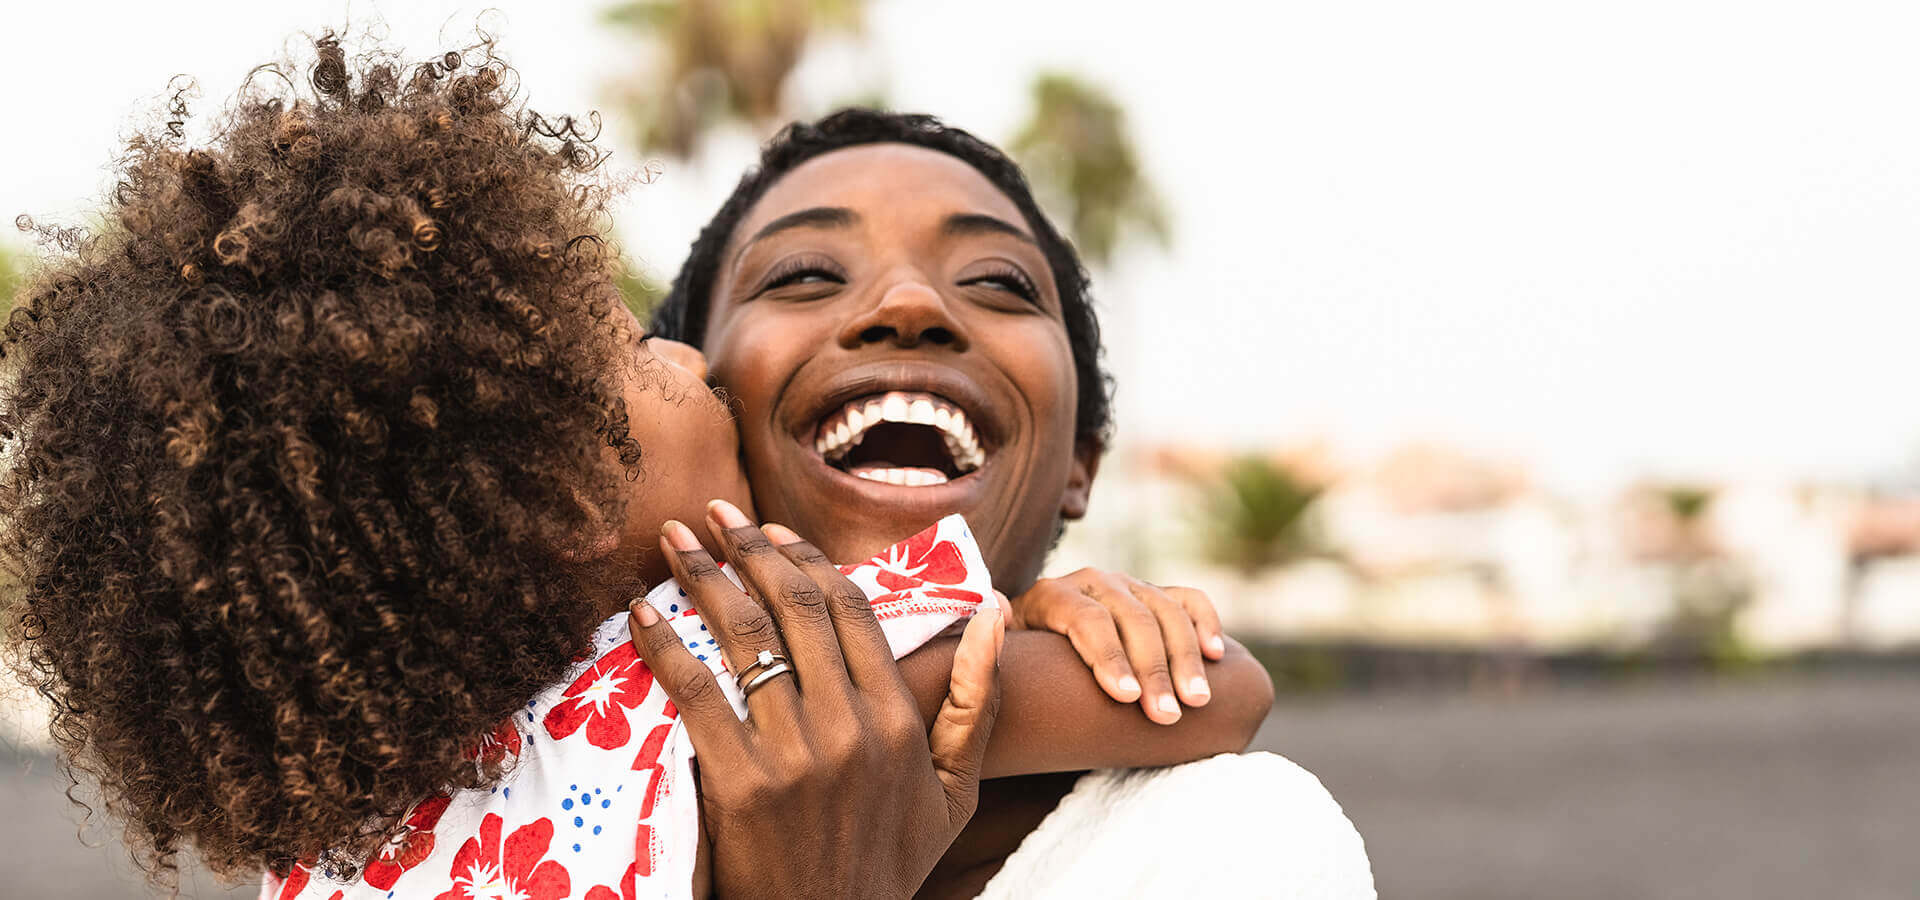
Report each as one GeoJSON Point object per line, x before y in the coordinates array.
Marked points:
{"type": "Point", "coordinates": [1666, 238]}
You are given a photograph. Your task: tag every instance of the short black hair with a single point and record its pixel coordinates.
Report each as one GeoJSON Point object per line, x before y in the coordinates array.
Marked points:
{"type": "Point", "coordinates": [682, 316]}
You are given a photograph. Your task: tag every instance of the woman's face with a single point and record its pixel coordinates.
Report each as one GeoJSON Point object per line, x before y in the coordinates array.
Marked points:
{"type": "Point", "coordinates": [893, 335]}
{"type": "Point", "coordinates": [689, 447]}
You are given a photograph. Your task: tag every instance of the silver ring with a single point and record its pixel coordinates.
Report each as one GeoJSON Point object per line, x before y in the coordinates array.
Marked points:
{"type": "Point", "coordinates": [763, 660]}
{"type": "Point", "coordinates": [771, 672]}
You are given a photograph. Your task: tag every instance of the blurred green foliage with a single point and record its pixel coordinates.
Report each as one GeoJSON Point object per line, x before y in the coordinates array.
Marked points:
{"type": "Point", "coordinates": [705, 63]}
{"type": "Point", "coordinates": [1078, 151]}
{"type": "Point", "coordinates": [1255, 515]}
{"type": "Point", "coordinates": [13, 273]}
{"type": "Point", "coordinates": [641, 293]}
{"type": "Point", "coordinates": [1687, 503]}
{"type": "Point", "coordinates": [715, 61]}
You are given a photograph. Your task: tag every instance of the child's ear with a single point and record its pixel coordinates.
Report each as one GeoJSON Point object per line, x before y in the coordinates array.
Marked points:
{"type": "Point", "coordinates": [1086, 464]}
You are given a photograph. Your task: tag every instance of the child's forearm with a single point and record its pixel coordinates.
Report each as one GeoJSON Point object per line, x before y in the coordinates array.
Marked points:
{"type": "Point", "coordinates": [1055, 718]}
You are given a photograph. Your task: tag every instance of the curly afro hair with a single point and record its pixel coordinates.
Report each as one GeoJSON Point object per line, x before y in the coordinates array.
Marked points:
{"type": "Point", "coordinates": [297, 447]}
{"type": "Point", "coordinates": [682, 316]}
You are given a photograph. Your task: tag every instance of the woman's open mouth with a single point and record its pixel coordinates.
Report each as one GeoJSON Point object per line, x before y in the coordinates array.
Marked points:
{"type": "Point", "coordinates": [907, 438]}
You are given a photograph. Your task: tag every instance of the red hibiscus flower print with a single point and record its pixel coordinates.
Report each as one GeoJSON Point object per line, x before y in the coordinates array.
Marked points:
{"type": "Point", "coordinates": [600, 697]}
{"type": "Point", "coordinates": [408, 847]}
{"type": "Point", "coordinates": [602, 892]}
{"type": "Point", "coordinates": [484, 869]}
{"type": "Point", "coordinates": [502, 742]}
{"type": "Point", "coordinates": [922, 559]}
{"type": "Point", "coordinates": [295, 883]}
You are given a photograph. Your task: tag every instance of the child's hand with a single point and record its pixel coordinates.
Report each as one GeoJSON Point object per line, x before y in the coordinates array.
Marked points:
{"type": "Point", "coordinates": [1143, 642]}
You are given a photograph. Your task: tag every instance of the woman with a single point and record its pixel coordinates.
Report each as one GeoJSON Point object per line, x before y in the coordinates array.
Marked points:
{"type": "Point", "coordinates": [874, 255]}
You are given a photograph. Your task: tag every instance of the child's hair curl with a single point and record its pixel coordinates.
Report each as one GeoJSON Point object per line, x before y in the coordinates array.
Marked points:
{"type": "Point", "coordinates": [296, 447]}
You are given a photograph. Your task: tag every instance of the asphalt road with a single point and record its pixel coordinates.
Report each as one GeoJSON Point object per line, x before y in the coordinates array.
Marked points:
{"type": "Point", "coordinates": [1781, 788]}
{"type": "Point", "coordinates": [1776, 788]}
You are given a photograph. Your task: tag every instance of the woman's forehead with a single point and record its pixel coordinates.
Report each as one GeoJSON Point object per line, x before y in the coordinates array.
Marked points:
{"type": "Point", "coordinates": [896, 181]}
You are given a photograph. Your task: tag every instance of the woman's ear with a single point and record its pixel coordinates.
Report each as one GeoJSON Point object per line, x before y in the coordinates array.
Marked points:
{"type": "Point", "coordinates": [1086, 464]}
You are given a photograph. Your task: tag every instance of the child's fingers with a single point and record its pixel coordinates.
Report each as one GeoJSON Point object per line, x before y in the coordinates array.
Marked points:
{"type": "Point", "coordinates": [1146, 649]}
{"type": "Point", "coordinates": [960, 731]}
{"type": "Point", "coordinates": [1089, 626]}
{"type": "Point", "coordinates": [1182, 644]}
{"type": "Point", "coordinates": [688, 683]}
{"type": "Point", "coordinates": [1206, 620]}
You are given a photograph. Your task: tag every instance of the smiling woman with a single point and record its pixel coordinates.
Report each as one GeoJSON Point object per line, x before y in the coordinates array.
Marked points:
{"type": "Point", "coordinates": [908, 337]}
{"type": "Point", "coordinates": [902, 283]}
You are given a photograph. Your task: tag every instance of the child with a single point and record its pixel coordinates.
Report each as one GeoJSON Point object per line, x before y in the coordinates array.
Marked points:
{"type": "Point", "coordinates": [327, 455]}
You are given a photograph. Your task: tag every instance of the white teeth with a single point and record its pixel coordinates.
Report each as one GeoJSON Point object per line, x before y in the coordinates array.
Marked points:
{"type": "Point", "coordinates": [841, 432]}
{"type": "Point", "coordinates": [905, 477]}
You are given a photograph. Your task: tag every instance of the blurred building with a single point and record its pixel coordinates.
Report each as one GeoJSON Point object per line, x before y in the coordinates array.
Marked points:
{"type": "Point", "coordinates": [1430, 545]}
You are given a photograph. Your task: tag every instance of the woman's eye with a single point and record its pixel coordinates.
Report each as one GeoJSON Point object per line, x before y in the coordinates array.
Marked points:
{"type": "Point", "coordinates": [1008, 283]}
{"type": "Point", "coordinates": [810, 275]}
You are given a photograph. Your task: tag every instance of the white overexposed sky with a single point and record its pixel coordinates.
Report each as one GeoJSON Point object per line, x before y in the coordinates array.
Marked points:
{"type": "Point", "coordinates": [1672, 237]}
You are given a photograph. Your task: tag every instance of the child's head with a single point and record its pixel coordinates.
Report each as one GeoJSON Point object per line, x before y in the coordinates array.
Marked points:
{"type": "Point", "coordinates": [322, 455]}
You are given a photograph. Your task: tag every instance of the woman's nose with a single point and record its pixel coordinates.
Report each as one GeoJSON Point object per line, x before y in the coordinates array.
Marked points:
{"type": "Point", "coordinates": [682, 355]}
{"type": "Point", "coordinates": [909, 313]}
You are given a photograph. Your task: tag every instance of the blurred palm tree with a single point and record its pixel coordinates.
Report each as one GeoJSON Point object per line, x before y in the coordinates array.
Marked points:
{"type": "Point", "coordinates": [1077, 148]}
{"type": "Point", "coordinates": [1709, 590]}
{"type": "Point", "coordinates": [1255, 515]}
{"type": "Point", "coordinates": [707, 63]}
{"type": "Point", "coordinates": [717, 61]}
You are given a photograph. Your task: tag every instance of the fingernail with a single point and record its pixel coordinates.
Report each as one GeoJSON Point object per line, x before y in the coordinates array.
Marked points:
{"type": "Point", "coordinates": [1128, 683]}
{"type": "Point", "coordinates": [727, 514]}
{"type": "Point", "coordinates": [1198, 687]}
{"type": "Point", "coordinates": [1168, 705]}
{"type": "Point", "coordinates": [678, 536]}
{"type": "Point", "coordinates": [780, 534]}
{"type": "Point", "coordinates": [1216, 644]}
{"type": "Point", "coordinates": [645, 612]}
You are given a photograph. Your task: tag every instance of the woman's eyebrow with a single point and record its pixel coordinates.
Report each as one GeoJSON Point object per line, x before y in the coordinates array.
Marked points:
{"type": "Point", "coordinates": [963, 224]}
{"type": "Point", "coordinates": [811, 217]}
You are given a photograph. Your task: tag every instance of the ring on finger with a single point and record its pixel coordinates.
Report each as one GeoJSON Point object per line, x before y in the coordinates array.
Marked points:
{"type": "Point", "coordinates": [765, 659]}
{"type": "Point", "coordinates": [748, 686]}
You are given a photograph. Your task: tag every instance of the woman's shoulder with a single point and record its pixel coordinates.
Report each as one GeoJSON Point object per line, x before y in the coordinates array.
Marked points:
{"type": "Point", "coordinates": [1250, 824]}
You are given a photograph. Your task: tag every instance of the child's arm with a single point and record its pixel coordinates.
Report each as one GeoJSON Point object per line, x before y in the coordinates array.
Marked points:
{"type": "Point", "coordinates": [1055, 717]}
